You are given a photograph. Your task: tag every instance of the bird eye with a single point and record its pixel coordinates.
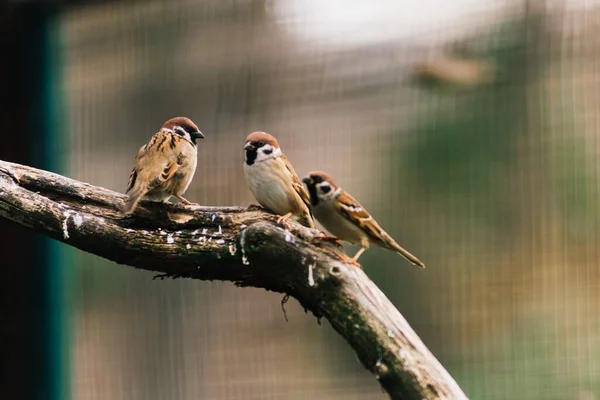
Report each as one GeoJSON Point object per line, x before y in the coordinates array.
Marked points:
{"type": "Point", "coordinates": [260, 144]}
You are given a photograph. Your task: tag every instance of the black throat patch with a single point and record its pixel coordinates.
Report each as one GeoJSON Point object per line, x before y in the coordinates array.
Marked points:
{"type": "Point", "coordinates": [312, 192]}
{"type": "Point", "coordinates": [251, 155]}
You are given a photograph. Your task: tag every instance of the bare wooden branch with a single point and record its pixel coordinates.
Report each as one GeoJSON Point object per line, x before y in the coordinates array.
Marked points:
{"type": "Point", "coordinates": [241, 245]}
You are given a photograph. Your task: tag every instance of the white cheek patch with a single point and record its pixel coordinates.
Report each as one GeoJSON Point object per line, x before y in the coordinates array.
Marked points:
{"type": "Point", "coordinates": [329, 195]}
{"type": "Point", "coordinates": [179, 131]}
{"type": "Point", "coordinates": [326, 195]}
{"type": "Point", "coordinates": [266, 150]}
{"type": "Point", "coordinates": [184, 133]}
{"type": "Point", "coordinates": [262, 156]}
{"type": "Point", "coordinates": [325, 188]}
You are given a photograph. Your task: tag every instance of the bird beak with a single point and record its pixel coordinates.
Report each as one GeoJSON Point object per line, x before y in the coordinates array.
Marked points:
{"type": "Point", "coordinates": [249, 146]}
{"type": "Point", "coordinates": [197, 135]}
{"type": "Point", "coordinates": [307, 180]}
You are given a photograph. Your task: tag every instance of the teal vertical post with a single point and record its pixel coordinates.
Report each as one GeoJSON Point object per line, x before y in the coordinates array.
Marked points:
{"type": "Point", "coordinates": [52, 153]}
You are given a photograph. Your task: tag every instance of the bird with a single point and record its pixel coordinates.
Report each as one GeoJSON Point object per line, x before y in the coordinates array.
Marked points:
{"type": "Point", "coordinates": [345, 218]}
{"type": "Point", "coordinates": [165, 166]}
{"type": "Point", "coordinates": [273, 181]}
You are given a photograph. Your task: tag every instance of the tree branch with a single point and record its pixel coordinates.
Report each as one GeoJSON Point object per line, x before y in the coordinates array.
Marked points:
{"type": "Point", "coordinates": [240, 245]}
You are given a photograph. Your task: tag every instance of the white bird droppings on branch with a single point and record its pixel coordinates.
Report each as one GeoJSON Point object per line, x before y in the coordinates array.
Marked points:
{"type": "Point", "coordinates": [311, 279]}
{"type": "Point", "coordinates": [78, 219]}
{"type": "Point", "coordinates": [65, 224]}
{"type": "Point", "coordinates": [243, 246]}
{"type": "Point", "coordinates": [289, 237]}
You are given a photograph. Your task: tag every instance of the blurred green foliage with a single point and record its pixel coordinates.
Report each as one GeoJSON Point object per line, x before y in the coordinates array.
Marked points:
{"type": "Point", "coordinates": [471, 141]}
{"type": "Point", "coordinates": [470, 135]}
{"type": "Point", "coordinates": [505, 160]}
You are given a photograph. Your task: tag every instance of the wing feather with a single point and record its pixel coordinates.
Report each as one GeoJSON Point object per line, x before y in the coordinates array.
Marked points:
{"type": "Point", "coordinates": [359, 216]}
{"type": "Point", "coordinates": [297, 185]}
{"type": "Point", "coordinates": [134, 172]}
{"type": "Point", "coordinates": [154, 167]}
{"type": "Point", "coordinates": [356, 213]}
{"type": "Point", "coordinates": [164, 176]}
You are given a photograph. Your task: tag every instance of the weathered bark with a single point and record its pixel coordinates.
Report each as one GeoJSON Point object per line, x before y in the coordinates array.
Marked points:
{"type": "Point", "coordinates": [241, 245]}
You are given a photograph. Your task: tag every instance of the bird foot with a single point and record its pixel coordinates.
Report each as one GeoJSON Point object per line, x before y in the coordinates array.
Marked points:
{"type": "Point", "coordinates": [330, 239]}
{"type": "Point", "coordinates": [282, 218]}
{"type": "Point", "coordinates": [351, 260]}
{"type": "Point", "coordinates": [186, 202]}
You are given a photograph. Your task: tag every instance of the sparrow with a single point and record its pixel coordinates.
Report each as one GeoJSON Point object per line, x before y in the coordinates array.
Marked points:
{"type": "Point", "coordinates": [273, 181]}
{"type": "Point", "coordinates": [344, 217]}
{"type": "Point", "coordinates": [165, 166]}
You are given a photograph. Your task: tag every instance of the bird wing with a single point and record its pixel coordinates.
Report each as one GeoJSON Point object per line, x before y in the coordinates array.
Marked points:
{"type": "Point", "coordinates": [166, 174]}
{"type": "Point", "coordinates": [360, 217]}
{"type": "Point", "coordinates": [154, 164]}
{"type": "Point", "coordinates": [134, 172]}
{"type": "Point", "coordinates": [296, 184]}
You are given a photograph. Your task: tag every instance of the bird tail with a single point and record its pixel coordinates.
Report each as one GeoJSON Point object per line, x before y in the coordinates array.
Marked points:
{"type": "Point", "coordinates": [412, 259]}
{"type": "Point", "coordinates": [132, 201]}
{"type": "Point", "coordinates": [392, 245]}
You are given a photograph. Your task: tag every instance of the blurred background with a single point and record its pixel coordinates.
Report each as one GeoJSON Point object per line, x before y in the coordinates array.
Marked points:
{"type": "Point", "coordinates": [469, 129]}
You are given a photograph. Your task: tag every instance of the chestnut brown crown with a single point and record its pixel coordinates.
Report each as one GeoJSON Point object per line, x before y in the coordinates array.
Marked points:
{"type": "Point", "coordinates": [263, 138]}
{"type": "Point", "coordinates": [184, 127]}
{"type": "Point", "coordinates": [183, 122]}
{"type": "Point", "coordinates": [316, 177]}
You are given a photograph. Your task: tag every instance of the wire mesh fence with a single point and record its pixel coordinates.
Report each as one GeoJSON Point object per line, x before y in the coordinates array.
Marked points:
{"type": "Point", "coordinates": [471, 136]}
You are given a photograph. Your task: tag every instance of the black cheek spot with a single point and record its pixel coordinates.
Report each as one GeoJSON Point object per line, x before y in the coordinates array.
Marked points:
{"type": "Point", "coordinates": [326, 189]}
{"type": "Point", "coordinates": [267, 151]}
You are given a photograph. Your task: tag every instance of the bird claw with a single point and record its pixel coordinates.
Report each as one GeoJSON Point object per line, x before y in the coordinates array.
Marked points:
{"type": "Point", "coordinates": [255, 207]}
{"type": "Point", "coordinates": [330, 239]}
{"type": "Point", "coordinates": [188, 203]}
{"type": "Point", "coordinates": [352, 261]}
{"type": "Point", "coordinates": [283, 218]}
